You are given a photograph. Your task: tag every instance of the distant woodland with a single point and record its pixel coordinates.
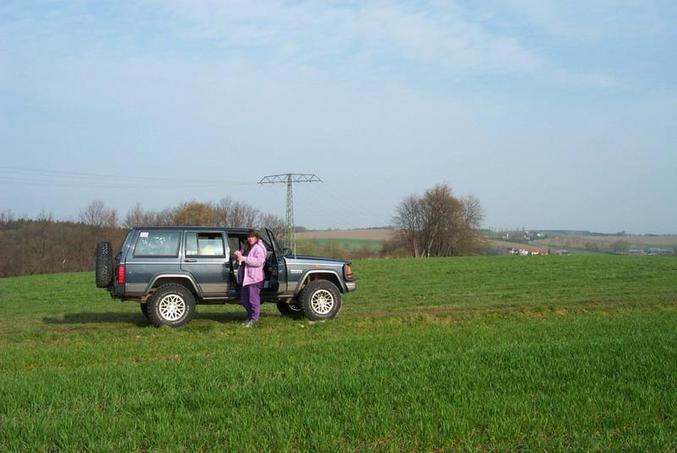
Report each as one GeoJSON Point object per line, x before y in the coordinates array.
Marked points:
{"type": "Point", "coordinates": [44, 245]}
{"type": "Point", "coordinates": [434, 224]}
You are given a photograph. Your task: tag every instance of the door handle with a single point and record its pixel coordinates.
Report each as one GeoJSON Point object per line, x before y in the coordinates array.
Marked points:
{"type": "Point", "coordinates": [190, 260]}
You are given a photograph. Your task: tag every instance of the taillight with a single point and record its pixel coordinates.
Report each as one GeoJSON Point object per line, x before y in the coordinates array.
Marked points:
{"type": "Point", "coordinates": [120, 274]}
{"type": "Point", "coordinates": [349, 272]}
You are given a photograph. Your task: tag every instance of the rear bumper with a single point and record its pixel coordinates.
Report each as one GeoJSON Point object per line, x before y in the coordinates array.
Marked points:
{"type": "Point", "coordinates": [351, 286]}
{"type": "Point", "coordinates": [116, 291]}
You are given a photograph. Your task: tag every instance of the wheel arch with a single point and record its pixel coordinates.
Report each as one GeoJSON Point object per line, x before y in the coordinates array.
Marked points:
{"type": "Point", "coordinates": [310, 276]}
{"type": "Point", "coordinates": [179, 279]}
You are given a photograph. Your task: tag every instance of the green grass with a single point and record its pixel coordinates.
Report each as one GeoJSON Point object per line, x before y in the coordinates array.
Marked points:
{"type": "Point", "coordinates": [479, 353]}
{"type": "Point", "coordinates": [372, 245]}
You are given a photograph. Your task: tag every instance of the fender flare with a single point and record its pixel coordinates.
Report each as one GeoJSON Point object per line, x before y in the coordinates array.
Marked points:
{"type": "Point", "coordinates": [189, 278]}
{"type": "Point", "coordinates": [301, 284]}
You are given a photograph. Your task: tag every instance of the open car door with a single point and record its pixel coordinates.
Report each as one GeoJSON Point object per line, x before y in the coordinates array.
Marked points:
{"type": "Point", "coordinates": [276, 265]}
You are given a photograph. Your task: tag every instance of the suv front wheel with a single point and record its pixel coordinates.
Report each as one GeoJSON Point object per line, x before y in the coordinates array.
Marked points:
{"type": "Point", "coordinates": [320, 299]}
{"type": "Point", "coordinates": [171, 305]}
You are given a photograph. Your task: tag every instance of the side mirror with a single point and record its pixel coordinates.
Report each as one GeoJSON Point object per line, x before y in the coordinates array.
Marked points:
{"type": "Point", "coordinates": [287, 252]}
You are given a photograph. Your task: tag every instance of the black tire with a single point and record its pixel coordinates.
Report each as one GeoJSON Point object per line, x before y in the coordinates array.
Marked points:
{"type": "Point", "coordinates": [292, 309]}
{"type": "Point", "coordinates": [171, 305]}
{"type": "Point", "coordinates": [104, 264]}
{"type": "Point", "coordinates": [144, 310]}
{"type": "Point", "coordinates": [320, 299]}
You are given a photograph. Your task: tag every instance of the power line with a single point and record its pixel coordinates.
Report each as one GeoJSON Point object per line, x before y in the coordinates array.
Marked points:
{"type": "Point", "coordinates": [160, 185]}
{"type": "Point", "coordinates": [35, 176]}
{"type": "Point", "coordinates": [290, 179]}
{"type": "Point", "coordinates": [332, 204]}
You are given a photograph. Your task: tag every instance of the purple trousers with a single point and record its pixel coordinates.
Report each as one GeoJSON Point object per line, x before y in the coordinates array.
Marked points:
{"type": "Point", "coordinates": [250, 298]}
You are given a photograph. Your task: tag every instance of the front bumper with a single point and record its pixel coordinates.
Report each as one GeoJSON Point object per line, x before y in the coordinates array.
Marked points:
{"type": "Point", "coordinates": [351, 286]}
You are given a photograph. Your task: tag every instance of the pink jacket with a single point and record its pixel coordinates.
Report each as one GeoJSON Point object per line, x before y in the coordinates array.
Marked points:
{"type": "Point", "coordinates": [253, 265]}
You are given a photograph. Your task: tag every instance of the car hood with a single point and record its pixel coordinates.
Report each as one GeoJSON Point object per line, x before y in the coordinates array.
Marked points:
{"type": "Point", "coordinates": [319, 259]}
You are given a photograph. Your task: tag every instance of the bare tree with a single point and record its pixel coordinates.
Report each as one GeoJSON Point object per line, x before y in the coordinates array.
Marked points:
{"type": "Point", "coordinates": [162, 218]}
{"type": "Point", "coordinates": [438, 224]}
{"type": "Point", "coordinates": [98, 215]}
{"type": "Point", "coordinates": [409, 220]}
{"type": "Point", "coordinates": [470, 237]}
{"type": "Point", "coordinates": [6, 216]}
{"type": "Point", "coordinates": [223, 210]}
{"type": "Point", "coordinates": [236, 214]}
{"type": "Point", "coordinates": [274, 223]}
{"type": "Point", "coordinates": [473, 213]}
{"type": "Point", "coordinates": [136, 216]}
{"type": "Point", "coordinates": [244, 215]}
{"type": "Point", "coordinates": [442, 214]}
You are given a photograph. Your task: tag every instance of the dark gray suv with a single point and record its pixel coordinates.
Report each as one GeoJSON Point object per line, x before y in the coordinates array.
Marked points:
{"type": "Point", "coordinates": [169, 270]}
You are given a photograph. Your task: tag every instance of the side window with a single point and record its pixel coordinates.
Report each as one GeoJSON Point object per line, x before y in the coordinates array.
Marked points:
{"type": "Point", "coordinates": [157, 243]}
{"type": "Point", "coordinates": [204, 244]}
{"type": "Point", "coordinates": [234, 243]}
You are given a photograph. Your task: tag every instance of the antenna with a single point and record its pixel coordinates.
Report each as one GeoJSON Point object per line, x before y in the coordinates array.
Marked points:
{"type": "Point", "coordinates": [290, 179]}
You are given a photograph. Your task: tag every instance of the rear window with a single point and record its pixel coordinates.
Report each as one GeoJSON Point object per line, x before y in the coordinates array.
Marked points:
{"type": "Point", "coordinates": [204, 244]}
{"type": "Point", "coordinates": [158, 243]}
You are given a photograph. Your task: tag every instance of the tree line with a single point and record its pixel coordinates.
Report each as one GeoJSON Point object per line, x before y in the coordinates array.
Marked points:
{"type": "Point", "coordinates": [436, 223]}
{"type": "Point", "coordinates": [43, 245]}
{"type": "Point", "coordinates": [225, 212]}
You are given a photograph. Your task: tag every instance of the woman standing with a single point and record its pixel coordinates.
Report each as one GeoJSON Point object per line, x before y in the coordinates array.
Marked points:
{"type": "Point", "coordinates": [250, 276]}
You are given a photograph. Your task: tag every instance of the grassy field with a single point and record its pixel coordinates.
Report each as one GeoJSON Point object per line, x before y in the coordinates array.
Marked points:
{"type": "Point", "coordinates": [343, 242]}
{"type": "Point", "coordinates": [373, 234]}
{"type": "Point", "coordinates": [478, 353]}
{"type": "Point", "coordinates": [371, 245]}
{"type": "Point", "coordinates": [584, 243]}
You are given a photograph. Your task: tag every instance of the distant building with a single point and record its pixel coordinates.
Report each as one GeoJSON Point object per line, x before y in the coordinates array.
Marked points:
{"type": "Point", "coordinates": [657, 251]}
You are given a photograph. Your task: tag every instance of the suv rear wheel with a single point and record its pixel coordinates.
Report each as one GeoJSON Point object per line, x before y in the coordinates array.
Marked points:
{"type": "Point", "coordinates": [171, 305]}
{"type": "Point", "coordinates": [291, 309]}
{"type": "Point", "coordinates": [320, 299]}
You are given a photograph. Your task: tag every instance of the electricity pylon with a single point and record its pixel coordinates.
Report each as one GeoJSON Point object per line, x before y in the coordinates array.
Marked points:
{"type": "Point", "coordinates": [290, 179]}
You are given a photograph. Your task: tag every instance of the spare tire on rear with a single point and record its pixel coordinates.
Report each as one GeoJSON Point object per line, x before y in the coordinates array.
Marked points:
{"type": "Point", "coordinates": [104, 264]}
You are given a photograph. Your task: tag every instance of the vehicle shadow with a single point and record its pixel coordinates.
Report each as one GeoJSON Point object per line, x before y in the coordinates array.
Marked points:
{"type": "Point", "coordinates": [137, 319]}
{"type": "Point", "coordinates": [98, 318]}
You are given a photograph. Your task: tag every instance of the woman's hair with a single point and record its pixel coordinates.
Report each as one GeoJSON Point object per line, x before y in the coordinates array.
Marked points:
{"type": "Point", "coordinates": [250, 233]}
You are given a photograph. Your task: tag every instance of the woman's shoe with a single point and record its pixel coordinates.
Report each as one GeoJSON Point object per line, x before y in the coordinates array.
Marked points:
{"type": "Point", "coordinates": [249, 323]}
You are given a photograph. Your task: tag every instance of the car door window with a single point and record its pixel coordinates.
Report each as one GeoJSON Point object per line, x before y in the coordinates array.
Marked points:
{"type": "Point", "coordinates": [157, 243]}
{"type": "Point", "coordinates": [205, 244]}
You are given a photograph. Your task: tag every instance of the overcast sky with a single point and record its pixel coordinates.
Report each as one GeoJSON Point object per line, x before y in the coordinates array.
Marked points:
{"type": "Point", "coordinates": [556, 114]}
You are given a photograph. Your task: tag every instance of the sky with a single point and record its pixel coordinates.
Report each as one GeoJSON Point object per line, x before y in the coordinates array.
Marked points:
{"type": "Point", "coordinates": [556, 115]}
